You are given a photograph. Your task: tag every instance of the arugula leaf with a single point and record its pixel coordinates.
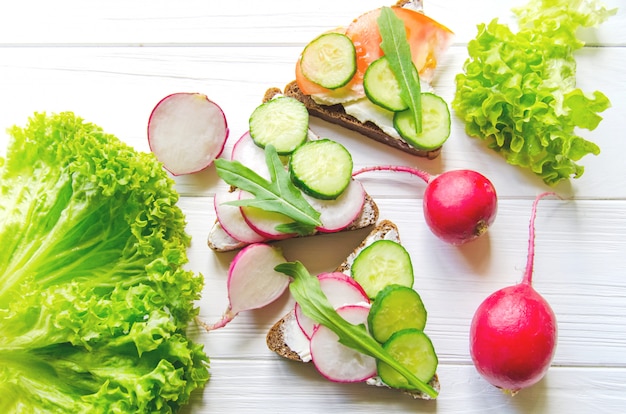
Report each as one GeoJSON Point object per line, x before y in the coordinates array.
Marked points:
{"type": "Point", "coordinates": [398, 52]}
{"type": "Point", "coordinates": [278, 195]}
{"type": "Point", "coordinates": [306, 290]}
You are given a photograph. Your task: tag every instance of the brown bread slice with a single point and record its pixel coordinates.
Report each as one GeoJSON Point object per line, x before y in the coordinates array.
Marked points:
{"type": "Point", "coordinates": [276, 336]}
{"type": "Point", "coordinates": [337, 115]}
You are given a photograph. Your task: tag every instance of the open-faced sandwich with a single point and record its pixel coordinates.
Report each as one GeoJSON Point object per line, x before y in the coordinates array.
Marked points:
{"type": "Point", "coordinates": [286, 182]}
{"type": "Point", "coordinates": [348, 77]}
{"type": "Point", "coordinates": [369, 303]}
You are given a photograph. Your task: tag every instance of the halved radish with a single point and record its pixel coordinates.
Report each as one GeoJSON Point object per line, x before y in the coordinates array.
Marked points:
{"type": "Point", "coordinates": [264, 222]}
{"type": "Point", "coordinates": [252, 281]}
{"type": "Point", "coordinates": [251, 155]}
{"type": "Point", "coordinates": [336, 361]}
{"type": "Point", "coordinates": [231, 219]}
{"type": "Point", "coordinates": [187, 132]}
{"type": "Point", "coordinates": [338, 214]}
{"type": "Point", "coordinates": [340, 289]}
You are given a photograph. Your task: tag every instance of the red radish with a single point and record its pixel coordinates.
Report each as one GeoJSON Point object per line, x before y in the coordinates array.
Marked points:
{"type": "Point", "coordinates": [513, 334]}
{"type": "Point", "coordinates": [231, 219]}
{"type": "Point", "coordinates": [340, 289]}
{"type": "Point", "coordinates": [459, 205]}
{"type": "Point", "coordinates": [252, 281]}
{"type": "Point", "coordinates": [338, 214]}
{"type": "Point", "coordinates": [187, 132]}
{"type": "Point", "coordinates": [336, 361]}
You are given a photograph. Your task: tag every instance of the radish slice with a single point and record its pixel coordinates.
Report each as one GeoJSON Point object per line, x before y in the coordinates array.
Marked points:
{"type": "Point", "coordinates": [231, 219]}
{"type": "Point", "coordinates": [264, 222]}
{"type": "Point", "coordinates": [340, 289]}
{"type": "Point", "coordinates": [187, 132]}
{"type": "Point", "coordinates": [336, 361]}
{"type": "Point", "coordinates": [251, 155]}
{"type": "Point", "coordinates": [338, 214]}
{"type": "Point", "coordinates": [252, 281]}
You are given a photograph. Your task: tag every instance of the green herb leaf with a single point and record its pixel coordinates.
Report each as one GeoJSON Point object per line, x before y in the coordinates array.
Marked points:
{"type": "Point", "coordinates": [306, 290]}
{"type": "Point", "coordinates": [398, 52]}
{"type": "Point", "coordinates": [278, 195]}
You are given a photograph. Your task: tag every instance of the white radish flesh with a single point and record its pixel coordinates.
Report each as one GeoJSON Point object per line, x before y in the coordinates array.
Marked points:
{"type": "Point", "coordinates": [252, 281]}
{"type": "Point", "coordinates": [264, 222]}
{"type": "Point", "coordinates": [251, 155]}
{"type": "Point", "coordinates": [231, 219]}
{"type": "Point", "coordinates": [340, 290]}
{"type": "Point", "coordinates": [336, 361]}
{"type": "Point", "coordinates": [187, 132]}
{"type": "Point", "coordinates": [336, 215]}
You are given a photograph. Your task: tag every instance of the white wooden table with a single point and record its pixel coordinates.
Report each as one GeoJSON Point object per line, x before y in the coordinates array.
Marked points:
{"type": "Point", "coordinates": [112, 61]}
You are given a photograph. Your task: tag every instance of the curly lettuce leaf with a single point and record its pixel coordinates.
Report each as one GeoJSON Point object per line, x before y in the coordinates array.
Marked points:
{"type": "Point", "coordinates": [518, 90]}
{"type": "Point", "coordinates": [94, 298]}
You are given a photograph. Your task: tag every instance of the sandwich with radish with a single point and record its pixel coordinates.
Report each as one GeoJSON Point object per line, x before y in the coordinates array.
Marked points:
{"type": "Point", "coordinates": [374, 77]}
{"type": "Point", "coordinates": [363, 322]}
{"type": "Point", "coordinates": [285, 182]}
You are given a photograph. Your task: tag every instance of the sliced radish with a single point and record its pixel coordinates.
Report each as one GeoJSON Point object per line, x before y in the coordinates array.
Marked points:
{"type": "Point", "coordinates": [231, 219]}
{"type": "Point", "coordinates": [251, 155]}
{"type": "Point", "coordinates": [338, 214]}
{"type": "Point", "coordinates": [252, 281]}
{"type": "Point", "coordinates": [264, 222]}
{"type": "Point", "coordinates": [340, 289]}
{"type": "Point", "coordinates": [336, 361]}
{"type": "Point", "coordinates": [187, 132]}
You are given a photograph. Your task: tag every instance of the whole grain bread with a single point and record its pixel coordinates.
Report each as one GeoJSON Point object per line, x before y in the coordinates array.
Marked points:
{"type": "Point", "coordinates": [335, 114]}
{"type": "Point", "coordinates": [276, 338]}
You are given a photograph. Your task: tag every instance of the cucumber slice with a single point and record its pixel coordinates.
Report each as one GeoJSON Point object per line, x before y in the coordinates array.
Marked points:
{"type": "Point", "coordinates": [282, 122]}
{"type": "Point", "coordinates": [413, 349]}
{"type": "Point", "coordinates": [435, 123]}
{"type": "Point", "coordinates": [329, 60]}
{"type": "Point", "coordinates": [382, 87]}
{"type": "Point", "coordinates": [382, 263]}
{"type": "Point", "coordinates": [321, 168]}
{"type": "Point", "coordinates": [394, 309]}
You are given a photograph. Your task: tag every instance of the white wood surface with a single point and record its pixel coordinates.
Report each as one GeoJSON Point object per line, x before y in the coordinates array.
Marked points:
{"type": "Point", "coordinates": [111, 61]}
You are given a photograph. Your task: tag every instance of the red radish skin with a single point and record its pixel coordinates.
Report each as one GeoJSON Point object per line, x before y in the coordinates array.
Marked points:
{"type": "Point", "coordinates": [459, 205]}
{"type": "Point", "coordinates": [513, 334]}
{"type": "Point", "coordinates": [187, 132]}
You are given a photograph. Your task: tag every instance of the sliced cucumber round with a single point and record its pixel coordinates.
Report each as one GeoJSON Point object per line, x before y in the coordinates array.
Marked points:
{"type": "Point", "coordinates": [413, 349]}
{"type": "Point", "coordinates": [382, 263]}
{"type": "Point", "coordinates": [329, 60]}
{"type": "Point", "coordinates": [382, 87]}
{"type": "Point", "coordinates": [282, 122]}
{"type": "Point", "coordinates": [435, 123]}
{"type": "Point", "coordinates": [321, 168]}
{"type": "Point", "coordinates": [395, 308]}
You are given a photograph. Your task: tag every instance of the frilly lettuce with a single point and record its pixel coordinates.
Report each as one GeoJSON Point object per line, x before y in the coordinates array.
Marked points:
{"type": "Point", "coordinates": [94, 299]}
{"type": "Point", "coordinates": [518, 90]}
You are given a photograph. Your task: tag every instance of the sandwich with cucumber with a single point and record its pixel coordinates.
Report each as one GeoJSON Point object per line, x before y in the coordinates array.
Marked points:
{"type": "Point", "coordinates": [285, 181]}
{"type": "Point", "coordinates": [374, 77]}
{"type": "Point", "coordinates": [363, 322]}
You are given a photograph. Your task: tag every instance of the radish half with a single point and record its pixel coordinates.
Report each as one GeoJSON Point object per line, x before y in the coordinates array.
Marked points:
{"type": "Point", "coordinates": [231, 219]}
{"type": "Point", "coordinates": [336, 361]}
{"type": "Point", "coordinates": [340, 289]}
{"type": "Point", "coordinates": [187, 132]}
{"type": "Point", "coordinates": [251, 155]}
{"type": "Point", "coordinates": [264, 222]}
{"type": "Point", "coordinates": [252, 281]}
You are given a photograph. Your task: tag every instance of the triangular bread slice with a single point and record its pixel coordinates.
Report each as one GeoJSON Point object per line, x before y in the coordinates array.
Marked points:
{"type": "Point", "coordinates": [283, 336]}
{"type": "Point", "coordinates": [220, 241]}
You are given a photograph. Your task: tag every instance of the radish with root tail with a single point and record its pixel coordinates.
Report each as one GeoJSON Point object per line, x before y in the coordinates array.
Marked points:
{"type": "Point", "coordinates": [187, 132]}
{"type": "Point", "coordinates": [459, 205]}
{"type": "Point", "coordinates": [252, 281]}
{"type": "Point", "coordinates": [513, 333]}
